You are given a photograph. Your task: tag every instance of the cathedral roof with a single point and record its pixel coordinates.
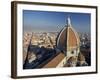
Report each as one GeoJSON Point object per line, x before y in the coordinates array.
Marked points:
{"type": "Point", "coordinates": [67, 37]}
{"type": "Point", "coordinates": [55, 61]}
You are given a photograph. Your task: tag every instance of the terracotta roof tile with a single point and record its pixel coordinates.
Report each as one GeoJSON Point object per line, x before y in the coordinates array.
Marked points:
{"type": "Point", "coordinates": [55, 61]}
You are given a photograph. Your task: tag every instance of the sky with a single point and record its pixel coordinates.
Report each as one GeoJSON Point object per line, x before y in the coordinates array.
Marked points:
{"type": "Point", "coordinates": [47, 21]}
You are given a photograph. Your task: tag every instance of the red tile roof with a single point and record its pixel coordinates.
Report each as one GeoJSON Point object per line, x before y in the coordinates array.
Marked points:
{"type": "Point", "coordinates": [55, 61]}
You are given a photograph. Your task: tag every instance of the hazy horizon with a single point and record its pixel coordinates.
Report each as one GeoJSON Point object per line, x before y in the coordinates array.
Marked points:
{"type": "Point", "coordinates": [47, 21]}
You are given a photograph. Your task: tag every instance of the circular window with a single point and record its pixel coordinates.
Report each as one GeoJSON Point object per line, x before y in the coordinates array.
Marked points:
{"type": "Point", "coordinates": [72, 52]}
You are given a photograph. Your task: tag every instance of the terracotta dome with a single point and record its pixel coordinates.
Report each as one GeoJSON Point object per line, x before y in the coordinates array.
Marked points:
{"type": "Point", "coordinates": [67, 38]}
